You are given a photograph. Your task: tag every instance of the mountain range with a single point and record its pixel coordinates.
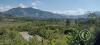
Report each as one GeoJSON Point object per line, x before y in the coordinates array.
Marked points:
{"type": "Point", "coordinates": [36, 13]}
{"type": "Point", "coordinates": [31, 12]}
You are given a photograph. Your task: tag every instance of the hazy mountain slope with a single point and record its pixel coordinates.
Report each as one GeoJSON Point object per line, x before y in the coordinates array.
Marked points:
{"type": "Point", "coordinates": [36, 13]}
{"type": "Point", "coordinates": [31, 12]}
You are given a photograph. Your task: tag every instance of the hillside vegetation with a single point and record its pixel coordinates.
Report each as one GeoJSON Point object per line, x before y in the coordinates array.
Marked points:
{"type": "Point", "coordinates": [52, 31]}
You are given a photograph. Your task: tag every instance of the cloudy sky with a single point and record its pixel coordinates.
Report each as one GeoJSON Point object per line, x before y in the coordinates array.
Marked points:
{"type": "Point", "coordinates": [56, 6]}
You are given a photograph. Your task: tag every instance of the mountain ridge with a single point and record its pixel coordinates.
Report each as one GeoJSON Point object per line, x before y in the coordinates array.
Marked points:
{"type": "Point", "coordinates": [37, 13]}
{"type": "Point", "coordinates": [32, 12]}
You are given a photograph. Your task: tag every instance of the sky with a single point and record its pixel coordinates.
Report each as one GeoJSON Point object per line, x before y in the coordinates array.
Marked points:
{"type": "Point", "coordinates": [56, 6]}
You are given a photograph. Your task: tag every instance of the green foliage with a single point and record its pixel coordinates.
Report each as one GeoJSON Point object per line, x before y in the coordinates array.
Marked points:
{"type": "Point", "coordinates": [53, 32]}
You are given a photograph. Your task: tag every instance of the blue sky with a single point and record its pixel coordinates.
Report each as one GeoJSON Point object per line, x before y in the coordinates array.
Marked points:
{"type": "Point", "coordinates": [56, 6]}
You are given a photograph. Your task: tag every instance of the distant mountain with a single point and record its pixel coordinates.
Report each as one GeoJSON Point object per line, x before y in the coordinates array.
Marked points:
{"type": "Point", "coordinates": [36, 13]}
{"type": "Point", "coordinates": [97, 13]}
{"type": "Point", "coordinates": [31, 12]}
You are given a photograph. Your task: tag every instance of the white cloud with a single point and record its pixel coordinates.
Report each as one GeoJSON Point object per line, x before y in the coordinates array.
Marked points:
{"type": "Point", "coordinates": [76, 12]}
{"type": "Point", "coordinates": [22, 5]}
{"type": "Point", "coordinates": [71, 12]}
{"type": "Point", "coordinates": [5, 8]}
{"type": "Point", "coordinates": [35, 3]}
